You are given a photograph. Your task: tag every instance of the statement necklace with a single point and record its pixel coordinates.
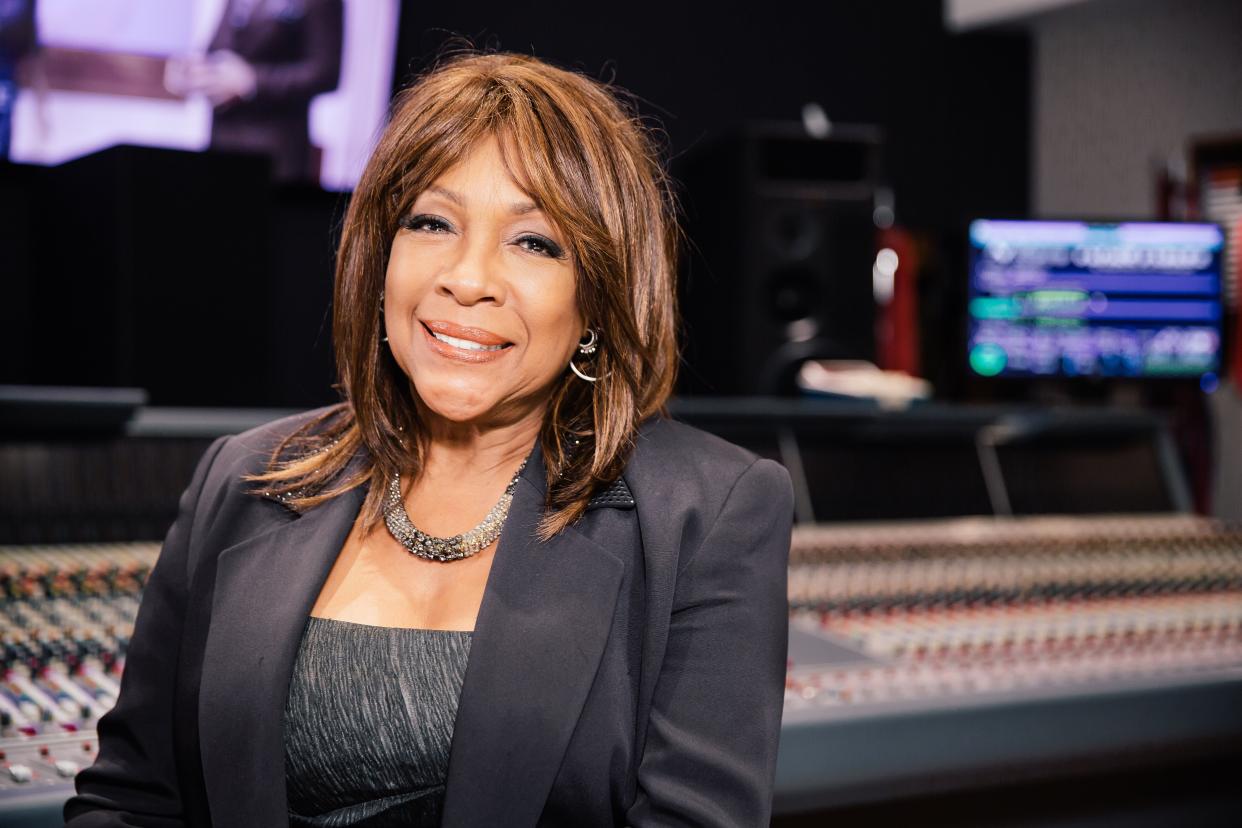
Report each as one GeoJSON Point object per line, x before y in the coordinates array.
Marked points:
{"type": "Point", "coordinates": [417, 542]}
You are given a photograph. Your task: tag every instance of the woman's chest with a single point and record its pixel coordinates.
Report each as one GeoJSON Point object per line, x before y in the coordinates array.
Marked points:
{"type": "Point", "coordinates": [368, 723]}
{"type": "Point", "coordinates": [376, 581]}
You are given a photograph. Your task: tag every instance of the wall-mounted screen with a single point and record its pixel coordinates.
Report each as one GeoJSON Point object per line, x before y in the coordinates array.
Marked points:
{"type": "Point", "coordinates": [304, 82]}
{"type": "Point", "coordinates": [1070, 299]}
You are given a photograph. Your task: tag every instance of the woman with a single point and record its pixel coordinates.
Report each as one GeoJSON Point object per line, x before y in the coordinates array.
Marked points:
{"type": "Point", "coordinates": [532, 600]}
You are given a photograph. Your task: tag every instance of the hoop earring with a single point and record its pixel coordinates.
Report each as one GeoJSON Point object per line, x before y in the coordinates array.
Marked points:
{"type": "Point", "coordinates": [383, 338]}
{"type": "Point", "coordinates": [586, 349]}
{"type": "Point", "coordinates": [581, 375]}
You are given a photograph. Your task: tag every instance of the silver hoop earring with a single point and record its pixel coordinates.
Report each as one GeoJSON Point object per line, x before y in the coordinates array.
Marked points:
{"type": "Point", "coordinates": [581, 375]}
{"type": "Point", "coordinates": [586, 348]}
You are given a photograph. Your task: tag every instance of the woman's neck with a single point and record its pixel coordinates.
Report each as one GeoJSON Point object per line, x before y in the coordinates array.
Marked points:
{"type": "Point", "coordinates": [483, 450]}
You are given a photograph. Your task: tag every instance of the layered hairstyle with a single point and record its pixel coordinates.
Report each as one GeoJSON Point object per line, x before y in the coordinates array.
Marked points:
{"type": "Point", "coordinates": [586, 159]}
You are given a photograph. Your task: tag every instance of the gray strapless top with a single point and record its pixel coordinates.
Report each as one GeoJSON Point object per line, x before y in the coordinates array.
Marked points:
{"type": "Point", "coordinates": [368, 724]}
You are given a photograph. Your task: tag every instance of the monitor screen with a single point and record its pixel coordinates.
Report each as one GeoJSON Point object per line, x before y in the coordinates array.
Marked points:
{"type": "Point", "coordinates": [1068, 299]}
{"type": "Point", "coordinates": [304, 82]}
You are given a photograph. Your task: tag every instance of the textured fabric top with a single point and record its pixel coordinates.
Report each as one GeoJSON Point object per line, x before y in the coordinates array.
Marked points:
{"type": "Point", "coordinates": [369, 722]}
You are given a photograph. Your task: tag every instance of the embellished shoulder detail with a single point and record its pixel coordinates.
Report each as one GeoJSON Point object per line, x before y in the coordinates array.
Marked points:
{"type": "Point", "coordinates": [286, 498]}
{"type": "Point", "coordinates": [616, 496]}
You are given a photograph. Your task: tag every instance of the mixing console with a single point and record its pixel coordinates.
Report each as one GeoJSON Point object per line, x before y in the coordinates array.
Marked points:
{"type": "Point", "coordinates": [970, 608]}
{"type": "Point", "coordinates": [922, 652]}
{"type": "Point", "coordinates": [919, 652]}
{"type": "Point", "coordinates": [66, 614]}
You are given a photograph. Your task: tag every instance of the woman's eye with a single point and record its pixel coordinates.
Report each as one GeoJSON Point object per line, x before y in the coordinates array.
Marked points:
{"type": "Point", "coordinates": [428, 224]}
{"type": "Point", "coordinates": [541, 245]}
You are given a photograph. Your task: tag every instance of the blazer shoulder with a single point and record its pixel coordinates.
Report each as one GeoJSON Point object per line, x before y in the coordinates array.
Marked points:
{"type": "Point", "coordinates": [687, 471]}
{"type": "Point", "coordinates": [672, 444]}
{"type": "Point", "coordinates": [248, 452]}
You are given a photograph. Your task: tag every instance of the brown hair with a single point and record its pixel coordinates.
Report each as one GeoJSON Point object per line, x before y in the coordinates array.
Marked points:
{"type": "Point", "coordinates": [586, 159]}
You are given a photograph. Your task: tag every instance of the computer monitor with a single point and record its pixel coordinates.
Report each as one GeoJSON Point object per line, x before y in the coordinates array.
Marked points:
{"type": "Point", "coordinates": [1094, 299]}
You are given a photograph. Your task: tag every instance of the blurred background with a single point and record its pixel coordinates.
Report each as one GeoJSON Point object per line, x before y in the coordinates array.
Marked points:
{"type": "Point", "coordinates": [968, 268]}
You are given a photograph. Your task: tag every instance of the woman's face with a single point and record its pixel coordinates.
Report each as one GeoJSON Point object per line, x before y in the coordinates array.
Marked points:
{"type": "Point", "coordinates": [479, 298]}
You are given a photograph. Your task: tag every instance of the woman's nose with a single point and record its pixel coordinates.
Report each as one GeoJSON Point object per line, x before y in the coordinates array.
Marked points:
{"type": "Point", "coordinates": [473, 277]}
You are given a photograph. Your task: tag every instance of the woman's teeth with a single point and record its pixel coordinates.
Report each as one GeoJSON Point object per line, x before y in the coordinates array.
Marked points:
{"type": "Point", "coordinates": [465, 344]}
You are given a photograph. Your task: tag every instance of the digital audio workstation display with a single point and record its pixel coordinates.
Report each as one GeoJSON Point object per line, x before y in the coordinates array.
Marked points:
{"type": "Point", "coordinates": [1063, 299]}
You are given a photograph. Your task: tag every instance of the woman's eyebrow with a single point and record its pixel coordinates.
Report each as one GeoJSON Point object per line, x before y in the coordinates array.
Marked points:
{"type": "Point", "coordinates": [456, 198]}
{"type": "Point", "coordinates": [518, 208]}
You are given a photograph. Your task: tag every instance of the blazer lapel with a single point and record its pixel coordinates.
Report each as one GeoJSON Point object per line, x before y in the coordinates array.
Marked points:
{"type": "Point", "coordinates": [541, 631]}
{"type": "Point", "coordinates": [265, 588]}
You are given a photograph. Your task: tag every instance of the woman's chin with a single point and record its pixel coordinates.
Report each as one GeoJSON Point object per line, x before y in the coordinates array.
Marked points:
{"type": "Point", "coordinates": [458, 402]}
{"type": "Point", "coordinates": [458, 408]}
{"type": "Point", "coordinates": [494, 400]}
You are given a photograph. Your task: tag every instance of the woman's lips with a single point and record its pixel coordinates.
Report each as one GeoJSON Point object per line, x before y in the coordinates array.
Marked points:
{"type": "Point", "coordinates": [477, 335]}
{"type": "Point", "coordinates": [464, 344]}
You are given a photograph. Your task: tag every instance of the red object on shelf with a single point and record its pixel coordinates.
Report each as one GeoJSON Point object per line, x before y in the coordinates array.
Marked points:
{"type": "Point", "coordinates": [897, 321]}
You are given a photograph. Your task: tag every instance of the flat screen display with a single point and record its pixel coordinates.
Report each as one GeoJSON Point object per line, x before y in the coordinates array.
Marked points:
{"type": "Point", "coordinates": [1072, 299]}
{"type": "Point", "coordinates": [304, 82]}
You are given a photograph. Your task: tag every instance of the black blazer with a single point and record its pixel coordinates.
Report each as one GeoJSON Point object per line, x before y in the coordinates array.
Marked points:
{"type": "Point", "coordinates": [628, 672]}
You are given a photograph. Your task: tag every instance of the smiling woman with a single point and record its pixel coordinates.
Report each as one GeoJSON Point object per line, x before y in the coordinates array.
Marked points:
{"type": "Point", "coordinates": [481, 307]}
{"type": "Point", "coordinates": [494, 585]}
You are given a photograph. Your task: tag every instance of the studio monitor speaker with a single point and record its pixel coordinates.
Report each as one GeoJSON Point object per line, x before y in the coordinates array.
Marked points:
{"type": "Point", "coordinates": [781, 244]}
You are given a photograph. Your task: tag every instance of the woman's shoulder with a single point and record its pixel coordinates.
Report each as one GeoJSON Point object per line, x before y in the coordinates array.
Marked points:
{"type": "Point", "coordinates": [249, 452]}
{"type": "Point", "coordinates": [677, 464]}
{"type": "Point", "coordinates": [674, 442]}
{"type": "Point", "coordinates": [260, 440]}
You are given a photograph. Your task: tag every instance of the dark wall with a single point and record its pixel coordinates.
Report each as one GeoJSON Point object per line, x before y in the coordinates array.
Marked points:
{"type": "Point", "coordinates": [955, 108]}
{"type": "Point", "coordinates": [186, 274]}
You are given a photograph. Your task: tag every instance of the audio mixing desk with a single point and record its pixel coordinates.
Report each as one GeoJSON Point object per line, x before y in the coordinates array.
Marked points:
{"type": "Point", "coordinates": [933, 656]}
{"type": "Point", "coordinates": [924, 656]}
